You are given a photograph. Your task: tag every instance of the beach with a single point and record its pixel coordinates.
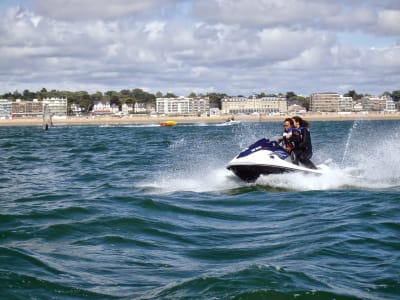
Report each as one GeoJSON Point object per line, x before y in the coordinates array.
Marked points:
{"type": "Point", "coordinates": [100, 120]}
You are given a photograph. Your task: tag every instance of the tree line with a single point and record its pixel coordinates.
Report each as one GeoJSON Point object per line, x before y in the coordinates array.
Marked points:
{"type": "Point", "coordinates": [87, 100]}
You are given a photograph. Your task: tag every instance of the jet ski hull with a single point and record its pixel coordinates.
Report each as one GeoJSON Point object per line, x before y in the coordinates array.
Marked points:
{"type": "Point", "coordinates": [264, 158]}
{"type": "Point", "coordinates": [250, 173]}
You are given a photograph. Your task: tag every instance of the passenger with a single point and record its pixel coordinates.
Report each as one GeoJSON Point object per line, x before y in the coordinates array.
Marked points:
{"type": "Point", "coordinates": [288, 127]}
{"type": "Point", "coordinates": [301, 138]}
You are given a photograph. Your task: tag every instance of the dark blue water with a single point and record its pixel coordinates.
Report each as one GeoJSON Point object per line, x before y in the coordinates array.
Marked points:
{"type": "Point", "coordinates": [148, 212]}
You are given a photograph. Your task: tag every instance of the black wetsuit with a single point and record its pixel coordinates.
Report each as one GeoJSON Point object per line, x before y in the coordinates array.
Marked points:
{"type": "Point", "coordinates": [302, 147]}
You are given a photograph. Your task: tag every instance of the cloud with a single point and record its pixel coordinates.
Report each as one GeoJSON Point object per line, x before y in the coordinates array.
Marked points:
{"type": "Point", "coordinates": [99, 9]}
{"type": "Point", "coordinates": [388, 22]}
{"type": "Point", "coordinates": [237, 47]}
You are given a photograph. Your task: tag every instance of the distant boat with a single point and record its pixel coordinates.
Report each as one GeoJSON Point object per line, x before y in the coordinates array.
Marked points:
{"type": "Point", "coordinates": [168, 123]}
{"type": "Point", "coordinates": [229, 122]}
{"type": "Point", "coordinates": [47, 120]}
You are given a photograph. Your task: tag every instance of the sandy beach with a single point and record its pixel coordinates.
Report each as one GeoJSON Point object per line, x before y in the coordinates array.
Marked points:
{"type": "Point", "coordinates": [104, 120]}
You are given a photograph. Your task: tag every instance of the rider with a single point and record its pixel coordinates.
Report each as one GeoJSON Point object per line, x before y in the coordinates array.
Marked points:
{"type": "Point", "coordinates": [288, 127]}
{"type": "Point", "coordinates": [301, 139]}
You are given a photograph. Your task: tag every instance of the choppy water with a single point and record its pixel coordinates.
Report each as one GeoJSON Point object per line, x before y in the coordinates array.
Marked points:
{"type": "Point", "coordinates": [148, 212]}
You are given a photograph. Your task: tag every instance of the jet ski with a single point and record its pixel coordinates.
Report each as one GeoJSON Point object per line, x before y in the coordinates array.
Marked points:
{"type": "Point", "coordinates": [265, 157]}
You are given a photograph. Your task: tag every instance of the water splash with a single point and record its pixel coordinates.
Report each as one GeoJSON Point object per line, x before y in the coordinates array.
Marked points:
{"type": "Point", "coordinates": [370, 161]}
{"type": "Point", "coordinates": [349, 138]}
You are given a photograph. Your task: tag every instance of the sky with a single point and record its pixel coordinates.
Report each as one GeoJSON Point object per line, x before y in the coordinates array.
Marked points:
{"type": "Point", "coordinates": [237, 47]}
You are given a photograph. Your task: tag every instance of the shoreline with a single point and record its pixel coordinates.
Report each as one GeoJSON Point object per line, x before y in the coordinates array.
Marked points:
{"type": "Point", "coordinates": [108, 120]}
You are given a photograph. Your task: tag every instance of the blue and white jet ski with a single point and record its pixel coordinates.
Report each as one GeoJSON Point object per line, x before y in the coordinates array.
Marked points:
{"type": "Point", "coordinates": [265, 157]}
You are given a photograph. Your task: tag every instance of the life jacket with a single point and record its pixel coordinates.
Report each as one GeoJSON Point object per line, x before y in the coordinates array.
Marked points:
{"type": "Point", "coordinates": [288, 143]}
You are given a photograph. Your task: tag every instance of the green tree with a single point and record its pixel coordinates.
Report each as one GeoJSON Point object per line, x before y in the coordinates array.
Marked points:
{"type": "Point", "coordinates": [170, 95]}
{"type": "Point", "coordinates": [142, 96]}
{"type": "Point", "coordinates": [261, 95]}
{"type": "Point", "coordinates": [215, 99]}
{"type": "Point", "coordinates": [28, 96]}
{"type": "Point", "coordinates": [290, 95]}
{"type": "Point", "coordinates": [353, 94]}
{"type": "Point", "coordinates": [396, 95]}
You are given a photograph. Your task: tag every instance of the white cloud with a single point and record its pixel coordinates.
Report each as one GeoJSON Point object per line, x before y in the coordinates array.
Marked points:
{"type": "Point", "coordinates": [89, 9]}
{"type": "Point", "coordinates": [388, 22]}
{"type": "Point", "coordinates": [238, 47]}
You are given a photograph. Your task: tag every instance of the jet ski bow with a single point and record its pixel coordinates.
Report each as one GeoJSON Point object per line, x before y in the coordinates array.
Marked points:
{"type": "Point", "coordinates": [265, 157]}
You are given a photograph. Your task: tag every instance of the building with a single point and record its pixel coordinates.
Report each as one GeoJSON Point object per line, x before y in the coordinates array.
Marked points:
{"type": "Point", "coordinates": [126, 108]}
{"type": "Point", "coordinates": [57, 106]}
{"type": "Point", "coordinates": [390, 105]}
{"type": "Point", "coordinates": [324, 102]}
{"type": "Point", "coordinates": [101, 108]}
{"type": "Point", "coordinates": [183, 106]}
{"type": "Point", "coordinates": [330, 102]}
{"type": "Point", "coordinates": [296, 109]}
{"type": "Point", "coordinates": [143, 108]}
{"type": "Point", "coordinates": [264, 105]}
{"type": "Point", "coordinates": [345, 104]}
{"type": "Point", "coordinates": [5, 109]}
{"type": "Point", "coordinates": [375, 103]}
{"type": "Point", "coordinates": [76, 109]}
{"type": "Point", "coordinates": [27, 109]}
{"type": "Point", "coordinates": [357, 107]}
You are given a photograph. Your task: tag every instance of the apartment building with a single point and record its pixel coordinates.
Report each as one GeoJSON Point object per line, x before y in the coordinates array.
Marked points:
{"type": "Point", "coordinates": [330, 102]}
{"type": "Point", "coordinates": [324, 102]}
{"type": "Point", "coordinates": [5, 109]}
{"type": "Point", "coordinates": [143, 108]}
{"type": "Point", "coordinates": [264, 105]}
{"type": "Point", "coordinates": [56, 106]}
{"type": "Point", "coordinates": [27, 109]}
{"type": "Point", "coordinates": [183, 106]}
{"type": "Point", "coordinates": [381, 103]}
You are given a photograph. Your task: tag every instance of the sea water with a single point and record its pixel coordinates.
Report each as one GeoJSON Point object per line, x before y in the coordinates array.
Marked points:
{"type": "Point", "coordinates": [149, 212]}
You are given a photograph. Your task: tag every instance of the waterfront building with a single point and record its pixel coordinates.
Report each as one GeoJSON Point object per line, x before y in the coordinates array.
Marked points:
{"type": "Point", "coordinates": [330, 102]}
{"type": "Point", "coordinates": [345, 104]}
{"type": "Point", "coordinates": [5, 109]}
{"type": "Point", "coordinates": [76, 109]}
{"type": "Point", "coordinates": [57, 106]}
{"type": "Point", "coordinates": [378, 103]}
{"type": "Point", "coordinates": [357, 107]}
{"type": "Point", "coordinates": [390, 105]}
{"type": "Point", "coordinates": [27, 109]}
{"type": "Point", "coordinates": [296, 109]}
{"type": "Point", "coordinates": [264, 105]}
{"type": "Point", "coordinates": [126, 108]}
{"type": "Point", "coordinates": [143, 108]}
{"type": "Point", "coordinates": [102, 108]}
{"type": "Point", "coordinates": [324, 102]}
{"type": "Point", "coordinates": [183, 106]}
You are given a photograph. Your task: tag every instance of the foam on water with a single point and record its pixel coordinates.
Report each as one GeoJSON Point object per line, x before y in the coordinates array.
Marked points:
{"type": "Point", "coordinates": [209, 181]}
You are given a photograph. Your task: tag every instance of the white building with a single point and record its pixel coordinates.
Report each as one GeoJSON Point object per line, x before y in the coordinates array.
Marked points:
{"type": "Point", "coordinates": [183, 106]}
{"type": "Point", "coordinates": [76, 109]}
{"type": "Point", "coordinates": [390, 105]}
{"type": "Point", "coordinates": [296, 109]}
{"type": "Point", "coordinates": [127, 108]}
{"type": "Point", "coordinates": [57, 106]}
{"type": "Point", "coordinates": [264, 105]}
{"type": "Point", "coordinates": [357, 107]}
{"type": "Point", "coordinates": [143, 108]}
{"type": "Point", "coordinates": [102, 108]}
{"type": "Point", "coordinates": [345, 104]}
{"type": "Point", "coordinates": [375, 103]}
{"type": "Point", "coordinates": [5, 109]}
